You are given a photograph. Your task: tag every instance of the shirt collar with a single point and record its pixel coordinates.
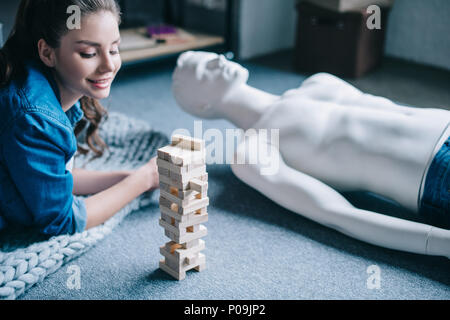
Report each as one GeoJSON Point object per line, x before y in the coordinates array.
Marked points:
{"type": "Point", "coordinates": [75, 113]}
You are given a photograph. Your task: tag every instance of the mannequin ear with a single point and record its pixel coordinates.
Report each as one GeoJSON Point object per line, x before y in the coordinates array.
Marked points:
{"type": "Point", "coordinates": [183, 57]}
{"type": "Point", "coordinates": [46, 53]}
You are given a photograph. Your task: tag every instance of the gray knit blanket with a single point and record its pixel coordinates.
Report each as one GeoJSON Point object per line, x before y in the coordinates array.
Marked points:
{"type": "Point", "coordinates": [27, 258]}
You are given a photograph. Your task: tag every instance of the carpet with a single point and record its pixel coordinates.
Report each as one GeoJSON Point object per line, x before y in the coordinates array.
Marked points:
{"type": "Point", "coordinates": [255, 249]}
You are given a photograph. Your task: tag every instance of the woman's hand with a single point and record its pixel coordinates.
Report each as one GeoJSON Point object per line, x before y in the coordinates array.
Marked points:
{"type": "Point", "coordinates": [150, 175]}
{"type": "Point", "coordinates": [105, 204]}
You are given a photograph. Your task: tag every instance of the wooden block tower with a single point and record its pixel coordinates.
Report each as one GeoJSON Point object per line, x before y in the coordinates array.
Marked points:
{"type": "Point", "coordinates": [183, 201]}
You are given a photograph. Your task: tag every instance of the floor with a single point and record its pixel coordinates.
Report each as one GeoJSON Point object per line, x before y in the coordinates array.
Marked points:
{"type": "Point", "coordinates": [255, 249]}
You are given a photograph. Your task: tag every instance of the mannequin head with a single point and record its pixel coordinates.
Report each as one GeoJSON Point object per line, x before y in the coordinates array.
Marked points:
{"type": "Point", "coordinates": [202, 80]}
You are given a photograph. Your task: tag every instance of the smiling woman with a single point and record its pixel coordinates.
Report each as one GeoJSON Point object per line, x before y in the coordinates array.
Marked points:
{"type": "Point", "coordinates": [51, 78]}
{"type": "Point", "coordinates": [43, 25]}
{"type": "Point", "coordinates": [86, 61]}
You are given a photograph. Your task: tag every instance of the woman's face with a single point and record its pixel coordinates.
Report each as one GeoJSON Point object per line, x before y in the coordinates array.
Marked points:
{"type": "Point", "coordinates": [88, 58]}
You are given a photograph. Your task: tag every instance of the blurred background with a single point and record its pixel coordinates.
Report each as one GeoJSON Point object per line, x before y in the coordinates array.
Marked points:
{"type": "Point", "coordinates": [415, 30]}
{"type": "Point", "coordinates": [406, 58]}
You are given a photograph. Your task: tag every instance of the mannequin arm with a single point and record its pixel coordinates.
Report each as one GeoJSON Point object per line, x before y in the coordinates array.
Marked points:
{"type": "Point", "coordinates": [315, 200]}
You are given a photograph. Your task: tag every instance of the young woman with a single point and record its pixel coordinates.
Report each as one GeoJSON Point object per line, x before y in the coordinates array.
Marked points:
{"type": "Point", "coordinates": [51, 78]}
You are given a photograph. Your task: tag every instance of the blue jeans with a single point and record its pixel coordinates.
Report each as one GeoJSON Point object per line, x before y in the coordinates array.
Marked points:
{"type": "Point", "coordinates": [435, 203]}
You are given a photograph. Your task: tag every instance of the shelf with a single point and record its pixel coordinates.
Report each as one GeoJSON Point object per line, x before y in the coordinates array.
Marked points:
{"type": "Point", "coordinates": [136, 46]}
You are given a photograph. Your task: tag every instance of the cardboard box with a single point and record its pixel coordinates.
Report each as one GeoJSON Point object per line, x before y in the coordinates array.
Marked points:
{"type": "Point", "coordinates": [337, 42]}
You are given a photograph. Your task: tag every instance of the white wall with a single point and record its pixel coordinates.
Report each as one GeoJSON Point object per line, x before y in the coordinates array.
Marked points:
{"type": "Point", "coordinates": [419, 31]}
{"type": "Point", "coordinates": [266, 26]}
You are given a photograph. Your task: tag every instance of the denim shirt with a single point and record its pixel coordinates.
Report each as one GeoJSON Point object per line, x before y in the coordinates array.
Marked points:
{"type": "Point", "coordinates": [37, 141]}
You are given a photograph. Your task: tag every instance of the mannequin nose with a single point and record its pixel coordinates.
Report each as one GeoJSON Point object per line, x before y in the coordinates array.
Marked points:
{"type": "Point", "coordinates": [212, 64]}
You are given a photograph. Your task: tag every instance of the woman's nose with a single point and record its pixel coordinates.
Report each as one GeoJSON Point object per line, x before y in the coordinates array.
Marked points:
{"type": "Point", "coordinates": [107, 64]}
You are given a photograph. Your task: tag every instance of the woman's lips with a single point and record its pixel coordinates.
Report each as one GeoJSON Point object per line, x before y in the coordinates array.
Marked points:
{"type": "Point", "coordinates": [100, 83]}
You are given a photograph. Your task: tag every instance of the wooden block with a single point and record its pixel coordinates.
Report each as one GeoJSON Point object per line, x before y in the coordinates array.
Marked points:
{"type": "Point", "coordinates": [188, 142]}
{"type": "Point", "coordinates": [173, 264]}
{"type": "Point", "coordinates": [181, 275]}
{"type": "Point", "coordinates": [183, 206]}
{"type": "Point", "coordinates": [163, 154]}
{"type": "Point", "coordinates": [184, 260]}
{"type": "Point", "coordinates": [186, 237]}
{"type": "Point", "coordinates": [174, 207]}
{"type": "Point", "coordinates": [183, 185]}
{"type": "Point", "coordinates": [178, 217]}
{"type": "Point", "coordinates": [198, 185]}
{"type": "Point", "coordinates": [193, 219]}
{"type": "Point", "coordinates": [182, 157]}
{"type": "Point", "coordinates": [172, 229]}
{"type": "Point", "coordinates": [197, 213]}
{"type": "Point", "coordinates": [175, 199]}
{"type": "Point", "coordinates": [170, 235]}
{"type": "Point", "coordinates": [168, 218]}
{"type": "Point", "coordinates": [169, 153]}
{"type": "Point", "coordinates": [174, 247]}
{"type": "Point", "coordinates": [194, 205]}
{"type": "Point", "coordinates": [163, 172]}
{"type": "Point", "coordinates": [191, 244]}
{"type": "Point", "coordinates": [187, 194]}
{"type": "Point", "coordinates": [200, 262]}
{"type": "Point", "coordinates": [174, 191]}
{"type": "Point", "coordinates": [164, 186]}
{"type": "Point", "coordinates": [170, 197]}
{"type": "Point", "coordinates": [178, 184]}
{"type": "Point", "coordinates": [161, 163]}
{"type": "Point", "coordinates": [193, 228]}
{"type": "Point", "coordinates": [202, 232]}
{"type": "Point", "coordinates": [185, 202]}
{"type": "Point", "coordinates": [192, 259]}
{"type": "Point", "coordinates": [181, 253]}
{"type": "Point", "coordinates": [171, 246]}
{"type": "Point", "coordinates": [172, 260]}
{"type": "Point", "coordinates": [182, 194]}
{"type": "Point", "coordinates": [164, 202]}
{"type": "Point", "coordinates": [201, 267]}
{"type": "Point", "coordinates": [186, 177]}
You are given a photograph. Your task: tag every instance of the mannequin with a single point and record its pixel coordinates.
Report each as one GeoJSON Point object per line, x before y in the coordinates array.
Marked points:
{"type": "Point", "coordinates": [332, 138]}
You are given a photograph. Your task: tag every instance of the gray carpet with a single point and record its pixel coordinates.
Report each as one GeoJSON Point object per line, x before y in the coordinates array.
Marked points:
{"type": "Point", "coordinates": [254, 248]}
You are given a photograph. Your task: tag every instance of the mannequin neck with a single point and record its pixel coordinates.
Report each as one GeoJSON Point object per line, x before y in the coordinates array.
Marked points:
{"type": "Point", "coordinates": [244, 105]}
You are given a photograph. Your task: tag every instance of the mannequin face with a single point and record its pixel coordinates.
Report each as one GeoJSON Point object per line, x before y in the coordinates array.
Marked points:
{"type": "Point", "coordinates": [202, 80]}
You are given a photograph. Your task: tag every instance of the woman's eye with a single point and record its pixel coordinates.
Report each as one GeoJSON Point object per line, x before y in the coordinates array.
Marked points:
{"type": "Point", "coordinates": [114, 52]}
{"type": "Point", "coordinates": [87, 55]}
